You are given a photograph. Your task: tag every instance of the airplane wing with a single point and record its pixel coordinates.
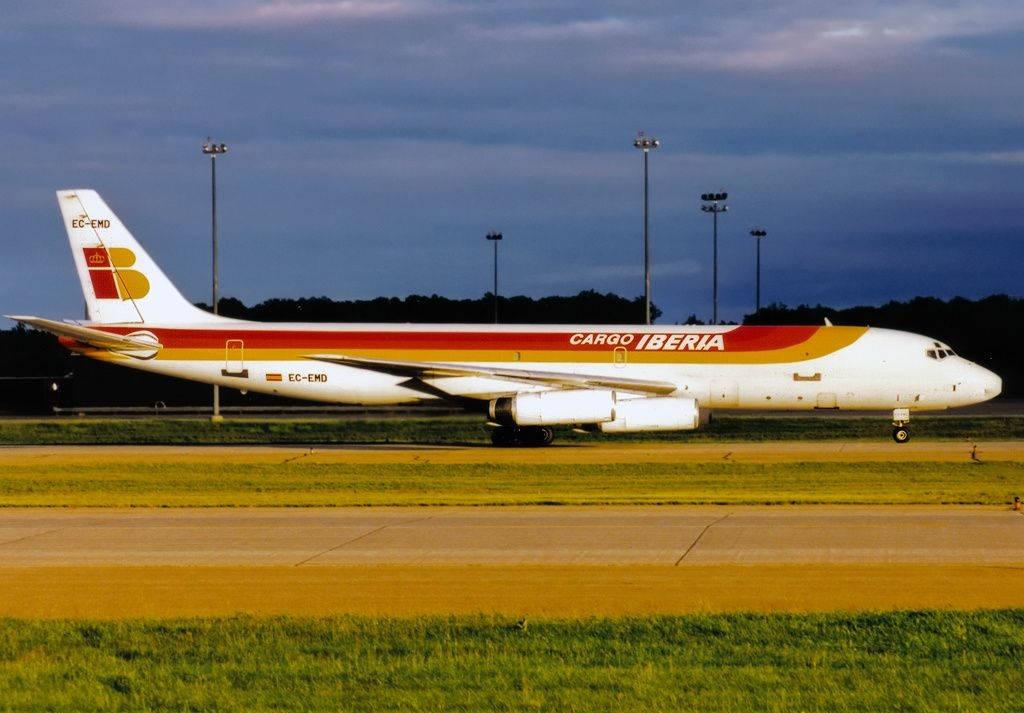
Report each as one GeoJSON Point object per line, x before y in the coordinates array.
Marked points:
{"type": "Point", "coordinates": [424, 371]}
{"type": "Point", "coordinates": [95, 337]}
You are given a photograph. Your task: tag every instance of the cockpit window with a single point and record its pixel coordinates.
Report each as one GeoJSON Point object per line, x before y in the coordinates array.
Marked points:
{"type": "Point", "coordinates": [941, 351]}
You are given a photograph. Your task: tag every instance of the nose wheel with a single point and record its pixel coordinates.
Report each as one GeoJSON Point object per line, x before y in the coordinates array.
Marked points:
{"type": "Point", "coordinates": [900, 431]}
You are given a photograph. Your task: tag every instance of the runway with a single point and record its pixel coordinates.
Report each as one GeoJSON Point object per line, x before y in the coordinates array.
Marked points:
{"type": "Point", "coordinates": [533, 560]}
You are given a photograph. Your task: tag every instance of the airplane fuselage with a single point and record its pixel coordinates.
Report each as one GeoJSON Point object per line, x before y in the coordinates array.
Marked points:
{"type": "Point", "coordinates": [746, 367]}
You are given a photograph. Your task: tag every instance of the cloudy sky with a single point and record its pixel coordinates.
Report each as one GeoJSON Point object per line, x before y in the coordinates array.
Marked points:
{"type": "Point", "coordinates": [374, 143]}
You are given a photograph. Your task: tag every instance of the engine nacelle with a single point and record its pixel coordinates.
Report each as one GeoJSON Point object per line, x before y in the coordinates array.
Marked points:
{"type": "Point", "coordinates": [658, 413]}
{"type": "Point", "coordinates": [550, 408]}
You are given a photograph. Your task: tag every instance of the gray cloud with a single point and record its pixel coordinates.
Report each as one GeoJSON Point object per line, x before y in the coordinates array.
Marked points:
{"type": "Point", "coordinates": [374, 143]}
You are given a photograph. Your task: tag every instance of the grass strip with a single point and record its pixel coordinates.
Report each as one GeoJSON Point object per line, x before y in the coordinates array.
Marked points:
{"type": "Point", "coordinates": [906, 661]}
{"type": "Point", "coordinates": [124, 482]}
{"type": "Point", "coordinates": [468, 430]}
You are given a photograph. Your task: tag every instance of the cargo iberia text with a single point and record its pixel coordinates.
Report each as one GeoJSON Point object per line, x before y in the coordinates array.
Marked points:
{"type": "Point", "coordinates": [651, 342]}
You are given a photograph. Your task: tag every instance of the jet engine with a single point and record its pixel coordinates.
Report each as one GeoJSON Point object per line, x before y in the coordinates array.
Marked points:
{"type": "Point", "coordinates": [657, 413]}
{"type": "Point", "coordinates": [549, 408]}
{"type": "Point", "coordinates": [591, 406]}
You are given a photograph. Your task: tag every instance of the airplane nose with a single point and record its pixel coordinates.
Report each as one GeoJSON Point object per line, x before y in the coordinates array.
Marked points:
{"type": "Point", "coordinates": [991, 383]}
{"type": "Point", "coordinates": [981, 383]}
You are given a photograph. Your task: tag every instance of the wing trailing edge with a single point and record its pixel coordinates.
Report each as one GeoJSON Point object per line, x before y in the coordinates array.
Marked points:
{"type": "Point", "coordinates": [425, 371]}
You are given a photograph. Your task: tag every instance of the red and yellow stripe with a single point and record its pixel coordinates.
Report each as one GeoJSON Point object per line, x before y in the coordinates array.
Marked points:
{"type": "Point", "coordinates": [740, 345]}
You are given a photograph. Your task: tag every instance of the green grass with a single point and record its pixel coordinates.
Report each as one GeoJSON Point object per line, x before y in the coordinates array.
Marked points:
{"type": "Point", "coordinates": [901, 661]}
{"type": "Point", "coordinates": [470, 429]}
{"type": "Point", "coordinates": [297, 483]}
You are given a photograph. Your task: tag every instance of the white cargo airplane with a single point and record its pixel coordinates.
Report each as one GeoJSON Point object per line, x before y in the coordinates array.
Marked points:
{"type": "Point", "coordinates": [526, 378]}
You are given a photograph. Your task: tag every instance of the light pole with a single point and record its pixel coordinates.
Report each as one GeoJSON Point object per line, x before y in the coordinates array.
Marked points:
{"type": "Point", "coordinates": [213, 150]}
{"type": "Point", "coordinates": [711, 205]}
{"type": "Point", "coordinates": [758, 233]}
{"type": "Point", "coordinates": [494, 237]}
{"type": "Point", "coordinates": [645, 144]}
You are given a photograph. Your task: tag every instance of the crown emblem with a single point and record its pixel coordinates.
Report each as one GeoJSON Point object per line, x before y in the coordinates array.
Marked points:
{"type": "Point", "coordinates": [97, 259]}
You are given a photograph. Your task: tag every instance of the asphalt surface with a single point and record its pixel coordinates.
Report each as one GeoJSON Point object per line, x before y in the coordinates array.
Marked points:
{"type": "Point", "coordinates": [665, 536]}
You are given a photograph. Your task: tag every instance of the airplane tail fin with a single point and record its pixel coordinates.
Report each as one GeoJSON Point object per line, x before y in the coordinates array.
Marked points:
{"type": "Point", "coordinates": [120, 281]}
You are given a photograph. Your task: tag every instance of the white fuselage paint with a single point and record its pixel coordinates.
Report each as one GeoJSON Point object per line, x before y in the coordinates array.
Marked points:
{"type": "Point", "coordinates": [883, 369]}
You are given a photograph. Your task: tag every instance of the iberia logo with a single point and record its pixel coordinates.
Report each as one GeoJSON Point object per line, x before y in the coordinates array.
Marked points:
{"type": "Point", "coordinates": [110, 277]}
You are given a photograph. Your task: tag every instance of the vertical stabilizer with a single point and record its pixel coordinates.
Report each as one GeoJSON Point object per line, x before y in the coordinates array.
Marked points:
{"type": "Point", "coordinates": [121, 283]}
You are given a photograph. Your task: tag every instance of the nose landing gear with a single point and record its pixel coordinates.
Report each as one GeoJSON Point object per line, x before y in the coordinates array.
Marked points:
{"type": "Point", "coordinates": [900, 431]}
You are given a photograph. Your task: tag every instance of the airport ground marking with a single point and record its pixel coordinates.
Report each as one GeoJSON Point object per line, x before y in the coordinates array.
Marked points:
{"type": "Point", "coordinates": [701, 535]}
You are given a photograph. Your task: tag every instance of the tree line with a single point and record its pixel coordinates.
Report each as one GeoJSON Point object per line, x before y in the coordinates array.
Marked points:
{"type": "Point", "coordinates": [985, 331]}
{"type": "Point", "coordinates": [586, 307]}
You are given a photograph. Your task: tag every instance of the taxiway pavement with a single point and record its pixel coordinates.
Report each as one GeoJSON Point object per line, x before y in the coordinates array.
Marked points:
{"type": "Point", "coordinates": [518, 561]}
{"type": "Point", "coordinates": [665, 536]}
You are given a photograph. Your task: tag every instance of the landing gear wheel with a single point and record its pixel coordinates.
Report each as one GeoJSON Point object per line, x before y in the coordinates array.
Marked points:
{"type": "Point", "coordinates": [900, 418]}
{"type": "Point", "coordinates": [536, 436]}
{"type": "Point", "coordinates": [505, 436]}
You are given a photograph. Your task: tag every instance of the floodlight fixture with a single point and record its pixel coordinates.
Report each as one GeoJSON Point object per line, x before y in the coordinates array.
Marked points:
{"type": "Point", "coordinates": [213, 149]}
{"type": "Point", "coordinates": [758, 234]}
{"type": "Point", "coordinates": [494, 237]}
{"type": "Point", "coordinates": [712, 204]}
{"type": "Point", "coordinates": [645, 144]}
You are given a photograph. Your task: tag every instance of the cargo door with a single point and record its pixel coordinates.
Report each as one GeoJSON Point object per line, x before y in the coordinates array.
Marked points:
{"type": "Point", "coordinates": [619, 357]}
{"type": "Point", "coordinates": [234, 359]}
{"type": "Point", "coordinates": [826, 400]}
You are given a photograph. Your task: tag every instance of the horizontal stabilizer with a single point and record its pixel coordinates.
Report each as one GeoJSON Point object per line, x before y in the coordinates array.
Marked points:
{"type": "Point", "coordinates": [94, 337]}
{"type": "Point", "coordinates": [430, 370]}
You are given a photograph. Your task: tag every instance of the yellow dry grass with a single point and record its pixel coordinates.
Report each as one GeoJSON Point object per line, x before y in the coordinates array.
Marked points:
{"type": "Point", "coordinates": [572, 591]}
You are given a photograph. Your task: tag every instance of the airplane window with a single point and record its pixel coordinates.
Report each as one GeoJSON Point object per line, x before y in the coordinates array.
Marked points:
{"type": "Point", "coordinates": [941, 351]}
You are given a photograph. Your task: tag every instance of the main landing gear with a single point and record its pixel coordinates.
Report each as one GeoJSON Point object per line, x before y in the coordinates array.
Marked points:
{"type": "Point", "coordinates": [522, 436]}
{"type": "Point", "coordinates": [900, 432]}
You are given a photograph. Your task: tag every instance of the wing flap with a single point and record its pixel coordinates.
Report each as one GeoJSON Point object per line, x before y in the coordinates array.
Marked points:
{"type": "Point", "coordinates": [433, 370]}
